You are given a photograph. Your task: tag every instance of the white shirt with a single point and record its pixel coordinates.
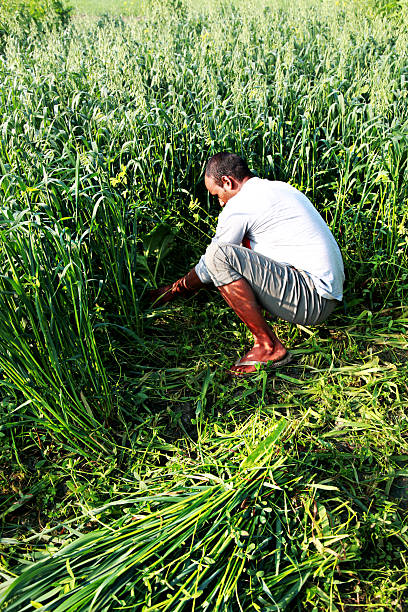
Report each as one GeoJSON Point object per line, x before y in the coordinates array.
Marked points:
{"type": "Point", "coordinates": [282, 224]}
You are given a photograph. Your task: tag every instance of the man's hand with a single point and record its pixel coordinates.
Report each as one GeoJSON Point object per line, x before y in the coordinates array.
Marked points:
{"type": "Point", "coordinates": [161, 296]}
{"type": "Point", "coordinates": [183, 287]}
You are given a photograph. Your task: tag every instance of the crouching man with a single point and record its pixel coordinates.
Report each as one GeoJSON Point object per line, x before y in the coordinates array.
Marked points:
{"type": "Point", "coordinates": [271, 250]}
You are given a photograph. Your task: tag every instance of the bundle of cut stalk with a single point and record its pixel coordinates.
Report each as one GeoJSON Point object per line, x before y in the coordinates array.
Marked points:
{"type": "Point", "coordinates": [250, 542]}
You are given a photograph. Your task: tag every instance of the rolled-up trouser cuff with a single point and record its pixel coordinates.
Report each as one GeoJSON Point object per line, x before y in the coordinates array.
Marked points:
{"type": "Point", "coordinates": [283, 291]}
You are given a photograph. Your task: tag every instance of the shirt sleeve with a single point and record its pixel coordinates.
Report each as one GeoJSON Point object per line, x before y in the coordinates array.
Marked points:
{"type": "Point", "coordinates": [231, 229]}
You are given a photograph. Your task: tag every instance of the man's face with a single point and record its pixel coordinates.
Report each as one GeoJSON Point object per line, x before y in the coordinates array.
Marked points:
{"type": "Point", "coordinates": [223, 192]}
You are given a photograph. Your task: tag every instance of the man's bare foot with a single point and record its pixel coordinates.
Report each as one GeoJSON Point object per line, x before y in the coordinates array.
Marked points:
{"type": "Point", "coordinates": [261, 354]}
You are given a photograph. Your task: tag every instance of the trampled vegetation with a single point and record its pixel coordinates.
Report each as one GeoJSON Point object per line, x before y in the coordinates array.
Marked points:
{"type": "Point", "coordinates": [134, 473]}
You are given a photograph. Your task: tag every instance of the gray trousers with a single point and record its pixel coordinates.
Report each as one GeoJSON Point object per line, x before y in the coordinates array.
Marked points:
{"type": "Point", "coordinates": [285, 292]}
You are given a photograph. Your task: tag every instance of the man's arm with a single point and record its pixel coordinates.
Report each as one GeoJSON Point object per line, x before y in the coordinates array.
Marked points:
{"type": "Point", "coordinates": [183, 287]}
{"type": "Point", "coordinates": [231, 228]}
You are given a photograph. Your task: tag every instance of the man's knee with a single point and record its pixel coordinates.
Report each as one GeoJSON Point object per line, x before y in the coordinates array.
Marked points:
{"type": "Point", "coordinates": [216, 255]}
{"type": "Point", "coordinates": [218, 258]}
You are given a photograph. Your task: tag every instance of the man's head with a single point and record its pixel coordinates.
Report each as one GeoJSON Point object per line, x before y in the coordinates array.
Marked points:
{"type": "Point", "coordinates": [225, 174]}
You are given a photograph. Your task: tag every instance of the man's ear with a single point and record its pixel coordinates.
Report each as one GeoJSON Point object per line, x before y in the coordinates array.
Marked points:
{"type": "Point", "coordinates": [227, 182]}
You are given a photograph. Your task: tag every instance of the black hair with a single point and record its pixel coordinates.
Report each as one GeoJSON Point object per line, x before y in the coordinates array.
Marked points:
{"type": "Point", "coordinates": [227, 164]}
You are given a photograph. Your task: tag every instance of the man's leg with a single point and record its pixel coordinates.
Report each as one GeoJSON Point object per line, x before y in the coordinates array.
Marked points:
{"type": "Point", "coordinates": [267, 346]}
{"type": "Point", "coordinates": [248, 280]}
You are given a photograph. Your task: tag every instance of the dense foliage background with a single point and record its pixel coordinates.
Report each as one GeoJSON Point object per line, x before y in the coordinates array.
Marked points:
{"type": "Point", "coordinates": [107, 123]}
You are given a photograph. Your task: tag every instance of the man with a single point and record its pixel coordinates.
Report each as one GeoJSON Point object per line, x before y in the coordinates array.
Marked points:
{"type": "Point", "coordinates": [271, 250]}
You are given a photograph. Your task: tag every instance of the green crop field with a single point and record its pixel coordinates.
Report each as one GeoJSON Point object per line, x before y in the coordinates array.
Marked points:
{"type": "Point", "coordinates": [112, 7]}
{"type": "Point", "coordinates": [135, 474]}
